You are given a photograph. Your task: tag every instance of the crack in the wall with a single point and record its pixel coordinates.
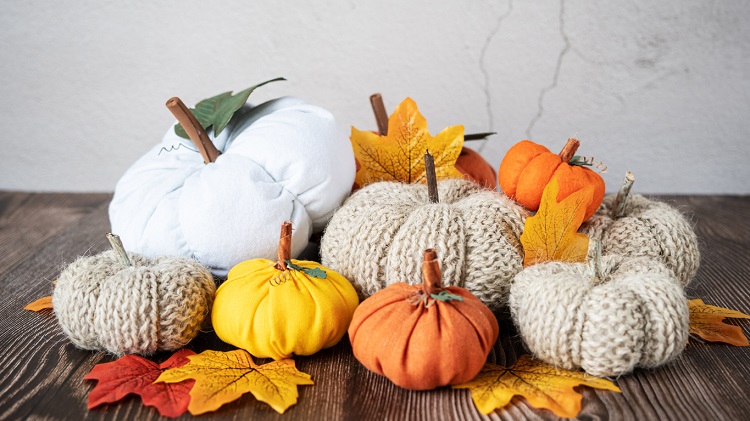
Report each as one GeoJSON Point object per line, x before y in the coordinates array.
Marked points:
{"type": "Point", "coordinates": [483, 69]}
{"type": "Point", "coordinates": [556, 76]}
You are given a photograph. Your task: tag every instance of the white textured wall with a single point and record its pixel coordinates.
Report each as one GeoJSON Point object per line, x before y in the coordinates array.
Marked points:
{"type": "Point", "coordinates": [658, 87]}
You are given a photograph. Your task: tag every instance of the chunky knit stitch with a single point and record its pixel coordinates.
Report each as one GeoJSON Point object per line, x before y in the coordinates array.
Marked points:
{"type": "Point", "coordinates": [377, 238]}
{"type": "Point", "coordinates": [635, 316]}
{"type": "Point", "coordinates": [647, 228]}
{"type": "Point", "coordinates": [150, 306]}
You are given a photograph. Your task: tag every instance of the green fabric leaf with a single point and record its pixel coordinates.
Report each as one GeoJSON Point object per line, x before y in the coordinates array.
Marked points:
{"type": "Point", "coordinates": [218, 110]}
{"type": "Point", "coordinates": [580, 161]}
{"type": "Point", "coordinates": [311, 272]}
{"type": "Point", "coordinates": [446, 296]}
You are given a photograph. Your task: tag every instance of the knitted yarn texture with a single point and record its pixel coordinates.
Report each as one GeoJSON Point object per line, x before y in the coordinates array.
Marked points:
{"type": "Point", "coordinates": [150, 306]}
{"type": "Point", "coordinates": [635, 316]}
{"type": "Point", "coordinates": [377, 238]}
{"type": "Point", "coordinates": [647, 228]}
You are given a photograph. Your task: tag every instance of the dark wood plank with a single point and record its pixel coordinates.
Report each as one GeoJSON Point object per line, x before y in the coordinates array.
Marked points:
{"type": "Point", "coordinates": [41, 374]}
{"type": "Point", "coordinates": [27, 220]}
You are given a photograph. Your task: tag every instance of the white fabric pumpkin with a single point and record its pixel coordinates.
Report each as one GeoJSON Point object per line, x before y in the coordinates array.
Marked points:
{"type": "Point", "coordinates": [282, 160]}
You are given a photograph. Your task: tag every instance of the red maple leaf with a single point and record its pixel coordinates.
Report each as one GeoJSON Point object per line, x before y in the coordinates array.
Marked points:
{"type": "Point", "coordinates": [134, 374]}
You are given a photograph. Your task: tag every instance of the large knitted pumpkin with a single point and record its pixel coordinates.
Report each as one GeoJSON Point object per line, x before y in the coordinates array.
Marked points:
{"type": "Point", "coordinates": [647, 228]}
{"type": "Point", "coordinates": [281, 159]}
{"type": "Point", "coordinates": [528, 167]}
{"type": "Point", "coordinates": [381, 231]}
{"type": "Point", "coordinates": [634, 314]}
{"type": "Point", "coordinates": [142, 307]}
{"type": "Point", "coordinates": [276, 309]}
{"type": "Point", "coordinates": [423, 336]}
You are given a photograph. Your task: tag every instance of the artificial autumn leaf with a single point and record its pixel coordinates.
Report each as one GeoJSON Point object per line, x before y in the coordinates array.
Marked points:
{"type": "Point", "coordinates": [43, 303]}
{"type": "Point", "coordinates": [706, 322]}
{"type": "Point", "coordinates": [399, 156]}
{"type": "Point", "coordinates": [218, 110]}
{"type": "Point", "coordinates": [222, 377]}
{"type": "Point", "coordinates": [134, 374]}
{"type": "Point", "coordinates": [543, 386]}
{"type": "Point", "coordinates": [552, 234]}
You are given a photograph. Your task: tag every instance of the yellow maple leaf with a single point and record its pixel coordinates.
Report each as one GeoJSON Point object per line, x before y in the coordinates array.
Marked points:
{"type": "Point", "coordinates": [43, 303]}
{"type": "Point", "coordinates": [552, 234]}
{"type": "Point", "coordinates": [399, 156]}
{"type": "Point", "coordinates": [543, 386]}
{"type": "Point", "coordinates": [222, 377]}
{"type": "Point", "coordinates": [706, 322]}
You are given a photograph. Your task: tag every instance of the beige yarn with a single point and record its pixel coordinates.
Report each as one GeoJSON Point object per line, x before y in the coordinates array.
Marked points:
{"type": "Point", "coordinates": [637, 316]}
{"type": "Point", "coordinates": [647, 228]}
{"type": "Point", "coordinates": [150, 306]}
{"type": "Point", "coordinates": [377, 238]}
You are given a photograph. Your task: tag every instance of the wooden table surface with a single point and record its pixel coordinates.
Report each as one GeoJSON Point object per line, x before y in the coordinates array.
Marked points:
{"type": "Point", "coordinates": [41, 373]}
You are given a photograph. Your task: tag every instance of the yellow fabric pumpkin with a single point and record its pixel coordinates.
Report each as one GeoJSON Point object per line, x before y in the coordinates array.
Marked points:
{"type": "Point", "coordinates": [276, 309]}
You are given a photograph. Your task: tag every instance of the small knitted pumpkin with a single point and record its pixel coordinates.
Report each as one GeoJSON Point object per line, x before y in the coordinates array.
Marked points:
{"type": "Point", "coordinates": [143, 307]}
{"type": "Point", "coordinates": [423, 336]}
{"type": "Point", "coordinates": [633, 314]}
{"type": "Point", "coordinates": [379, 233]}
{"type": "Point", "coordinates": [277, 309]}
{"type": "Point", "coordinates": [646, 228]}
{"type": "Point", "coordinates": [527, 168]}
{"type": "Point", "coordinates": [283, 157]}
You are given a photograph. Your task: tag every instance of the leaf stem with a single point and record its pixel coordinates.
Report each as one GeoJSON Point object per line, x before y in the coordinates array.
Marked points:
{"type": "Point", "coordinates": [429, 168]}
{"type": "Point", "coordinates": [119, 249]}
{"type": "Point", "coordinates": [381, 116]}
{"type": "Point", "coordinates": [193, 129]}
{"type": "Point", "coordinates": [431, 277]}
{"type": "Point", "coordinates": [622, 195]}
{"type": "Point", "coordinates": [569, 150]}
{"type": "Point", "coordinates": [285, 245]}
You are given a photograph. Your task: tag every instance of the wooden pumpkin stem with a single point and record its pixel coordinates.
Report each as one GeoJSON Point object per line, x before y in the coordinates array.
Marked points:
{"type": "Point", "coordinates": [193, 129]}
{"type": "Point", "coordinates": [381, 116]}
{"type": "Point", "coordinates": [622, 195]}
{"type": "Point", "coordinates": [594, 260]}
{"type": "Point", "coordinates": [117, 246]}
{"type": "Point", "coordinates": [429, 168]}
{"type": "Point", "coordinates": [285, 245]}
{"type": "Point", "coordinates": [433, 283]}
{"type": "Point", "coordinates": [569, 150]}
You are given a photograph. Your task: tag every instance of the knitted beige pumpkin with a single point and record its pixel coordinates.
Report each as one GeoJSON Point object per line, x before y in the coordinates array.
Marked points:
{"type": "Point", "coordinates": [646, 228]}
{"type": "Point", "coordinates": [379, 233]}
{"type": "Point", "coordinates": [138, 306]}
{"type": "Point", "coordinates": [634, 314]}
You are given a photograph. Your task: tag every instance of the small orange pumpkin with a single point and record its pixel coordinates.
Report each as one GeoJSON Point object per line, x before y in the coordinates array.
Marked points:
{"type": "Point", "coordinates": [527, 168]}
{"type": "Point", "coordinates": [423, 336]}
{"type": "Point", "coordinates": [475, 168]}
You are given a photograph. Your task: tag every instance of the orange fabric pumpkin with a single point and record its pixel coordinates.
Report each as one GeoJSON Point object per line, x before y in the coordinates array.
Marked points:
{"type": "Point", "coordinates": [527, 168]}
{"type": "Point", "coordinates": [423, 336]}
{"type": "Point", "coordinates": [475, 168]}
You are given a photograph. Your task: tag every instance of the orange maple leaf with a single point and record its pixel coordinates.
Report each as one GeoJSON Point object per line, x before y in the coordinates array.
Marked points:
{"type": "Point", "coordinates": [552, 234]}
{"type": "Point", "coordinates": [43, 303]}
{"type": "Point", "coordinates": [706, 322]}
{"type": "Point", "coordinates": [222, 377]}
{"type": "Point", "coordinates": [543, 386]}
{"type": "Point", "coordinates": [399, 156]}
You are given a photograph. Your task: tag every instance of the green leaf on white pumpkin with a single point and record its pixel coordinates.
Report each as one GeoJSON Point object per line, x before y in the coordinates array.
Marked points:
{"type": "Point", "coordinates": [311, 272]}
{"type": "Point", "coordinates": [446, 296]}
{"type": "Point", "coordinates": [218, 110]}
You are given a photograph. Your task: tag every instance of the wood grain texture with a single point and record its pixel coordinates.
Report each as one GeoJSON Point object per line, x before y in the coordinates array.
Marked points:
{"type": "Point", "coordinates": [41, 373]}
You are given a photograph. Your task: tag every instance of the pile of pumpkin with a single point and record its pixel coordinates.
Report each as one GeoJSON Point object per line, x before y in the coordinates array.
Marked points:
{"type": "Point", "coordinates": [430, 263]}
